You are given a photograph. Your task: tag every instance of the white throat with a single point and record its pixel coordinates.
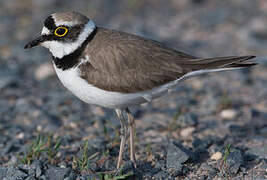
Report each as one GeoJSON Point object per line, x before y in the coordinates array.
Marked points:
{"type": "Point", "coordinates": [61, 49]}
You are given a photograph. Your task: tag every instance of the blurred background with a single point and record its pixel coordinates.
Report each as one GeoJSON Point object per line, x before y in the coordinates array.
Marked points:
{"type": "Point", "coordinates": [204, 114]}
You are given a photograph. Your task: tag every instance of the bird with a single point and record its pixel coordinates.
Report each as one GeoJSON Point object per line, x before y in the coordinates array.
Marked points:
{"type": "Point", "coordinates": [118, 70]}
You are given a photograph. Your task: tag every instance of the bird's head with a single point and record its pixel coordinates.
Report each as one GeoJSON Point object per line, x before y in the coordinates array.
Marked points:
{"type": "Point", "coordinates": [63, 33]}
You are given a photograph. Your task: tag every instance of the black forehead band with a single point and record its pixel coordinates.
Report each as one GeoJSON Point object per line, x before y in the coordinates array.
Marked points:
{"type": "Point", "coordinates": [50, 23]}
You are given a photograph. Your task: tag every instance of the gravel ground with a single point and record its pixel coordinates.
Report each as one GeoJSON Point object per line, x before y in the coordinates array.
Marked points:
{"type": "Point", "coordinates": [210, 127]}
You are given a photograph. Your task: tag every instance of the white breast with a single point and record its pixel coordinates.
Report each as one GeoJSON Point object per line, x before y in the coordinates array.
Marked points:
{"type": "Point", "coordinates": [90, 94]}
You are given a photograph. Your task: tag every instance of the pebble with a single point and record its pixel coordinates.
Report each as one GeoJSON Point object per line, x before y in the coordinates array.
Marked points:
{"type": "Point", "coordinates": [11, 147]}
{"type": "Point", "coordinates": [228, 114]}
{"type": "Point", "coordinates": [30, 178]}
{"type": "Point", "coordinates": [7, 77]}
{"type": "Point", "coordinates": [216, 156]}
{"type": "Point", "coordinates": [20, 135]}
{"type": "Point", "coordinates": [176, 156]}
{"type": "Point", "coordinates": [128, 168]}
{"type": "Point", "coordinates": [14, 173]}
{"type": "Point", "coordinates": [187, 131]}
{"type": "Point", "coordinates": [44, 71]}
{"type": "Point", "coordinates": [187, 120]}
{"type": "Point", "coordinates": [238, 130]}
{"type": "Point", "coordinates": [233, 162]}
{"type": "Point", "coordinates": [210, 169]}
{"type": "Point", "coordinates": [56, 173]}
{"type": "Point", "coordinates": [260, 152]}
{"type": "Point", "coordinates": [3, 172]}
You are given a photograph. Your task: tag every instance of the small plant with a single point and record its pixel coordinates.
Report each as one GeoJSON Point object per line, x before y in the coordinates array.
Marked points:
{"type": "Point", "coordinates": [173, 126]}
{"type": "Point", "coordinates": [42, 146]}
{"type": "Point", "coordinates": [82, 163]}
{"type": "Point", "coordinates": [223, 167]}
{"type": "Point", "coordinates": [227, 152]}
{"type": "Point", "coordinates": [34, 151]}
{"type": "Point", "coordinates": [148, 149]}
{"type": "Point", "coordinates": [106, 153]}
{"type": "Point", "coordinates": [52, 149]}
{"type": "Point", "coordinates": [115, 176]}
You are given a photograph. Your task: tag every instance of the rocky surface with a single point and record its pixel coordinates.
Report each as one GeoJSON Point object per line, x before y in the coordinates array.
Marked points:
{"type": "Point", "coordinates": [47, 133]}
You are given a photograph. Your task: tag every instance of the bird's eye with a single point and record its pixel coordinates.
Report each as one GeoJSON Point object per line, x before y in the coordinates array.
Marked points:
{"type": "Point", "coordinates": [61, 31]}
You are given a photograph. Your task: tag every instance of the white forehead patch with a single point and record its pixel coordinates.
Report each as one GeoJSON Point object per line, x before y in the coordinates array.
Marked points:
{"type": "Point", "coordinates": [66, 23]}
{"type": "Point", "coordinates": [45, 31]}
{"type": "Point", "coordinates": [60, 49]}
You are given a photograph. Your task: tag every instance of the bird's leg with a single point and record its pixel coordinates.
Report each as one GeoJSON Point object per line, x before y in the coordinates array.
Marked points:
{"type": "Point", "coordinates": [123, 134]}
{"type": "Point", "coordinates": [132, 133]}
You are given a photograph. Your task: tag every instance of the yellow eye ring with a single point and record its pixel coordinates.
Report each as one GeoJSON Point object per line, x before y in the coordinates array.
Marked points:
{"type": "Point", "coordinates": [61, 31]}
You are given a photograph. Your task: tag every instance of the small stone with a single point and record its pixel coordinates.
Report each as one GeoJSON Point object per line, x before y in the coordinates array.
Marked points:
{"type": "Point", "coordinates": [31, 172]}
{"type": "Point", "coordinates": [209, 169]}
{"type": "Point", "coordinates": [187, 131]}
{"type": "Point", "coordinates": [176, 156]}
{"type": "Point", "coordinates": [3, 172]}
{"type": "Point", "coordinates": [13, 160]}
{"type": "Point", "coordinates": [57, 173]}
{"type": "Point", "coordinates": [88, 176]}
{"type": "Point", "coordinates": [161, 175]}
{"type": "Point", "coordinates": [94, 167]}
{"type": "Point", "coordinates": [39, 128]}
{"type": "Point", "coordinates": [36, 167]}
{"type": "Point", "coordinates": [255, 113]}
{"type": "Point", "coordinates": [11, 147]}
{"type": "Point", "coordinates": [63, 164]}
{"type": "Point", "coordinates": [187, 120]}
{"type": "Point", "coordinates": [72, 176]}
{"type": "Point", "coordinates": [260, 152]}
{"type": "Point", "coordinates": [263, 131]}
{"type": "Point", "coordinates": [228, 114]}
{"type": "Point", "coordinates": [73, 125]}
{"type": "Point", "coordinates": [233, 162]}
{"type": "Point", "coordinates": [14, 173]}
{"type": "Point", "coordinates": [43, 71]}
{"type": "Point", "coordinates": [38, 171]}
{"type": "Point", "coordinates": [205, 143]}
{"type": "Point", "coordinates": [7, 77]}
{"type": "Point", "coordinates": [128, 168]}
{"type": "Point", "coordinates": [214, 148]}
{"type": "Point", "coordinates": [238, 130]}
{"type": "Point", "coordinates": [20, 135]}
{"type": "Point", "coordinates": [43, 177]}
{"type": "Point", "coordinates": [216, 156]}
{"type": "Point", "coordinates": [30, 178]}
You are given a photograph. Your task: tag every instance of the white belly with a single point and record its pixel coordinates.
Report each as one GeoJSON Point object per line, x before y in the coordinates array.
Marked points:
{"type": "Point", "coordinates": [90, 94]}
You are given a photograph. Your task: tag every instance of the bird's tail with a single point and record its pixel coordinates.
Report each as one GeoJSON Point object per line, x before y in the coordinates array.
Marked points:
{"type": "Point", "coordinates": [202, 66]}
{"type": "Point", "coordinates": [222, 62]}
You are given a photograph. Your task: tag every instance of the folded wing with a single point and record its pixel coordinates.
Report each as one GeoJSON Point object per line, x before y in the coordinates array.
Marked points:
{"type": "Point", "coordinates": [127, 63]}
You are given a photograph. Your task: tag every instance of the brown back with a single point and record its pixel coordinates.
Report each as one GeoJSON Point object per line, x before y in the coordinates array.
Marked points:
{"type": "Point", "coordinates": [126, 63]}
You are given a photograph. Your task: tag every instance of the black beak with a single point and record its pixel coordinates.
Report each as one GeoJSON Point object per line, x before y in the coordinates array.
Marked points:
{"type": "Point", "coordinates": [35, 42]}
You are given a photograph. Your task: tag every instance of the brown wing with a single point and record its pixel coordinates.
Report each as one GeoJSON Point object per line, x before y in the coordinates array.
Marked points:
{"type": "Point", "coordinates": [127, 63]}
